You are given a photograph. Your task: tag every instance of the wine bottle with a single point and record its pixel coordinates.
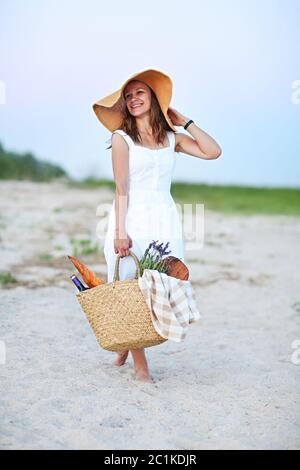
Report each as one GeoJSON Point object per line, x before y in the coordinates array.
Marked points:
{"type": "Point", "coordinates": [78, 283]}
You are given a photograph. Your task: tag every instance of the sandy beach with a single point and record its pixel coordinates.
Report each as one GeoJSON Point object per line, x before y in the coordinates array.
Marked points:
{"type": "Point", "coordinates": [232, 384]}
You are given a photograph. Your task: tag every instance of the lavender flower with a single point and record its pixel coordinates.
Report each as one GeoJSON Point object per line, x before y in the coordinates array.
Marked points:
{"type": "Point", "coordinates": [164, 251]}
{"type": "Point", "coordinates": [152, 258]}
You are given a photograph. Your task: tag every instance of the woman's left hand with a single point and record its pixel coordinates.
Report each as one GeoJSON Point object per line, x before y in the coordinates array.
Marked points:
{"type": "Point", "coordinates": [177, 118]}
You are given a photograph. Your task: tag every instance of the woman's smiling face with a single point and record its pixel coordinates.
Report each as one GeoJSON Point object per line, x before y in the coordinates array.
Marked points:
{"type": "Point", "coordinates": [137, 97]}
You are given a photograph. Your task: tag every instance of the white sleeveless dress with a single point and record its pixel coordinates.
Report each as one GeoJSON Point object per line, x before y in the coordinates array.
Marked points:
{"type": "Point", "coordinates": [151, 212]}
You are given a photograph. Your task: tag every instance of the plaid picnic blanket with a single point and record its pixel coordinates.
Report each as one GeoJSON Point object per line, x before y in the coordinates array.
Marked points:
{"type": "Point", "coordinates": [171, 302]}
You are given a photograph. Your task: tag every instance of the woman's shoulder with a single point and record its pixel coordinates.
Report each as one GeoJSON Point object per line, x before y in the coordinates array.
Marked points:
{"type": "Point", "coordinates": [119, 131]}
{"type": "Point", "coordinates": [123, 134]}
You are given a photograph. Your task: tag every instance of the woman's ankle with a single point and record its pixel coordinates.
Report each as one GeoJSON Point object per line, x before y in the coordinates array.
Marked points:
{"type": "Point", "coordinates": [142, 374]}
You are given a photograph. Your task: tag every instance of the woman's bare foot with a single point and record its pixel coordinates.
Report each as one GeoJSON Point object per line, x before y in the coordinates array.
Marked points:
{"type": "Point", "coordinates": [121, 359]}
{"type": "Point", "coordinates": [141, 371]}
{"type": "Point", "coordinates": [142, 374]}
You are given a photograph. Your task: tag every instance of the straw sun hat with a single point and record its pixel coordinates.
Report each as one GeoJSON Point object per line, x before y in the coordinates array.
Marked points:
{"type": "Point", "coordinates": [109, 109]}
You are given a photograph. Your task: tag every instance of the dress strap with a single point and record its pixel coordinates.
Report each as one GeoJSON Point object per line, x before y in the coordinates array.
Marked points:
{"type": "Point", "coordinates": [127, 138]}
{"type": "Point", "coordinates": [171, 136]}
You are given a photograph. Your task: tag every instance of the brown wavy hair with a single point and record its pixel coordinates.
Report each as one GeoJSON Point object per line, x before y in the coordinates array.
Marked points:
{"type": "Point", "coordinates": [158, 121]}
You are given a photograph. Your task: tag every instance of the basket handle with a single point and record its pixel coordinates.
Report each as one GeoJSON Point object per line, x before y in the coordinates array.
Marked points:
{"type": "Point", "coordinates": [138, 268]}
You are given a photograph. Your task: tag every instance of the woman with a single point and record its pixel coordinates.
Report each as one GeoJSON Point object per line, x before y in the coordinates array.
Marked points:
{"type": "Point", "coordinates": [144, 141]}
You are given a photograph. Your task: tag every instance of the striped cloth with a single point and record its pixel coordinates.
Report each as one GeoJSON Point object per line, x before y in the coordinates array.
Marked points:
{"type": "Point", "coordinates": [171, 302]}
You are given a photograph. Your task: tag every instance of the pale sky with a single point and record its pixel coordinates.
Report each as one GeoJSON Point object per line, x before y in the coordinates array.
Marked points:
{"type": "Point", "coordinates": [233, 65]}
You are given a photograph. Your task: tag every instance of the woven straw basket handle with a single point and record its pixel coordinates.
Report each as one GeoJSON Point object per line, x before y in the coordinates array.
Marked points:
{"type": "Point", "coordinates": [138, 268]}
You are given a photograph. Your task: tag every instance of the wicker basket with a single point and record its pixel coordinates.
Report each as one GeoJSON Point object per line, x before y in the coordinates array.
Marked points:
{"type": "Point", "coordinates": [118, 313]}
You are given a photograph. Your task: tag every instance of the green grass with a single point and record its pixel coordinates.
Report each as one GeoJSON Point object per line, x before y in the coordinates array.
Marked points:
{"type": "Point", "coordinates": [92, 183]}
{"type": "Point", "coordinates": [45, 257]}
{"type": "Point", "coordinates": [239, 199]}
{"type": "Point", "coordinates": [59, 247]}
{"type": "Point", "coordinates": [7, 278]}
{"type": "Point", "coordinates": [231, 199]}
{"type": "Point", "coordinates": [83, 247]}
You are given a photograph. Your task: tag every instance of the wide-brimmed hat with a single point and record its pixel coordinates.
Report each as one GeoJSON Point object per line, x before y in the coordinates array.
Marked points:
{"type": "Point", "coordinates": [109, 109]}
